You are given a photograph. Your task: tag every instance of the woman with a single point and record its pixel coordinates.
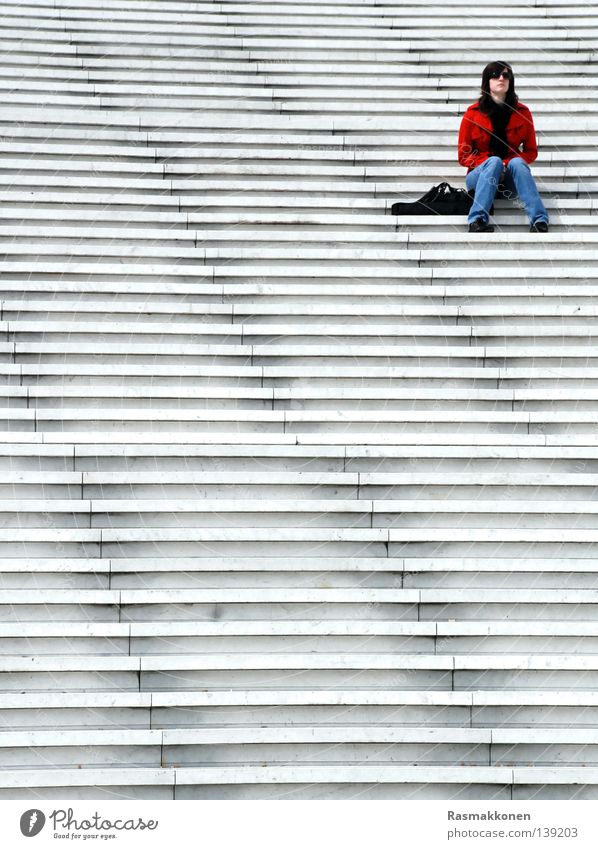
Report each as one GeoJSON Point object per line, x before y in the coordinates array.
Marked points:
{"type": "Point", "coordinates": [497, 142]}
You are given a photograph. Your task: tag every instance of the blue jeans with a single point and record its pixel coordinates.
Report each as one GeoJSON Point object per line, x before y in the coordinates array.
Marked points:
{"type": "Point", "coordinates": [516, 180]}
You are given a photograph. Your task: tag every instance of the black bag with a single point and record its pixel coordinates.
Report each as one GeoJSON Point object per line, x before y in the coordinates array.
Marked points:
{"type": "Point", "coordinates": [440, 200]}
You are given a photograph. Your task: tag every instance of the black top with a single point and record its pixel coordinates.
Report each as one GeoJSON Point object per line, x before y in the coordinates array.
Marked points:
{"type": "Point", "coordinates": [500, 116]}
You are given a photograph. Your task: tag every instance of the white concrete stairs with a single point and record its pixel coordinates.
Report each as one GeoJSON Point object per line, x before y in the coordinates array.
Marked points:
{"type": "Point", "coordinates": [297, 498]}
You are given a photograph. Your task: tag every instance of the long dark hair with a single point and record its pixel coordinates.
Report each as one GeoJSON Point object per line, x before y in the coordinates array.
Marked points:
{"type": "Point", "coordinates": [485, 101]}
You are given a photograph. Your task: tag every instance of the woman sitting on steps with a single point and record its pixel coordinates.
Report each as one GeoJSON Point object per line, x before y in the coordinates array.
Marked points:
{"type": "Point", "coordinates": [497, 143]}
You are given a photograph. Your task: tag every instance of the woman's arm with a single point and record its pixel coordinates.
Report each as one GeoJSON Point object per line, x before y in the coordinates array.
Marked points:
{"type": "Point", "coordinates": [530, 145]}
{"type": "Point", "coordinates": [467, 155]}
{"type": "Point", "coordinates": [529, 153]}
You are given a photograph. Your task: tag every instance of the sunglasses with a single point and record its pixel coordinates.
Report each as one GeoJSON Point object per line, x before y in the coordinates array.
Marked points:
{"type": "Point", "coordinates": [496, 75]}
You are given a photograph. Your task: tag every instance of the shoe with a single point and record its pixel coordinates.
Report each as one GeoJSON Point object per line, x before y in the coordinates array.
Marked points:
{"type": "Point", "coordinates": [480, 226]}
{"type": "Point", "coordinates": [539, 227]}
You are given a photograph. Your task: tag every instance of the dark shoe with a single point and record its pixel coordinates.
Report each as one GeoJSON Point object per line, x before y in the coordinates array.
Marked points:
{"type": "Point", "coordinates": [539, 227]}
{"type": "Point", "coordinates": [480, 226]}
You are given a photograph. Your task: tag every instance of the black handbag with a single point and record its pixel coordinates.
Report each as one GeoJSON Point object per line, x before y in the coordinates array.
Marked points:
{"type": "Point", "coordinates": [440, 200]}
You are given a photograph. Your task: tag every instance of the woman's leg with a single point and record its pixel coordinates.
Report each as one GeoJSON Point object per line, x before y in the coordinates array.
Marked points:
{"type": "Point", "coordinates": [519, 179]}
{"type": "Point", "coordinates": [484, 179]}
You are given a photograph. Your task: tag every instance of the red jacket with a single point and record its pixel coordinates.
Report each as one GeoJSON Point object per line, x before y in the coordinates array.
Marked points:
{"type": "Point", "coordinates": [475, 135]}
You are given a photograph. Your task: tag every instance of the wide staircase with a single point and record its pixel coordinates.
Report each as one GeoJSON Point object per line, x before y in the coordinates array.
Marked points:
{"type": "Point", "coordinates": [299, 498]}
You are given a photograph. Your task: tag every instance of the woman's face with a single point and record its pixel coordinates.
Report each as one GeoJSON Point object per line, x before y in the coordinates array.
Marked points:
{"type": "Point", "coordinates": [499, 87]}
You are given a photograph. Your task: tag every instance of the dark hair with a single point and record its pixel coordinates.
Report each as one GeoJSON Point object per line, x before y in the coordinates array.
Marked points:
{"type": "Point", "coordinates": [485, 101]}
